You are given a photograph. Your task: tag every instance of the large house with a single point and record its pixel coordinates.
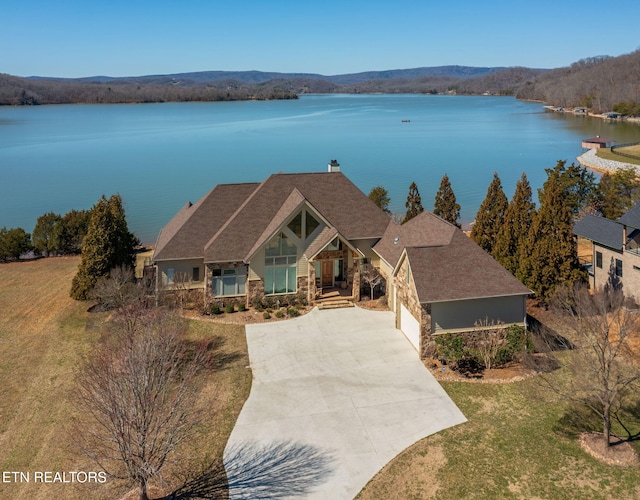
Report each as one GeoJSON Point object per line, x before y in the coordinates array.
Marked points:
{"type": "Point", "coordinates": [305, 234]}
{"type": "Point", "coordinates": [615, 250]}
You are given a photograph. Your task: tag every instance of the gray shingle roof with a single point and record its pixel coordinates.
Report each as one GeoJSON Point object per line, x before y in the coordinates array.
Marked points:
{"type": "Point", "coordinates": [459, 270]}
{"type": "Point", "coordinates": [631, 217]}
{"type": "Point", "coordinates": [423, 230]}
{"type": "Point", "coordinates": [186, 234]}
{"type": "Point", "coordinates": [603, 231]}
{"type": "Point", "coordinates": [229, 223]}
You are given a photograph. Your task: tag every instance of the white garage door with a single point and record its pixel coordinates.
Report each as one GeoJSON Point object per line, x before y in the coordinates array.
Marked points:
{"type": "Point", "coordinates": [410, 327]}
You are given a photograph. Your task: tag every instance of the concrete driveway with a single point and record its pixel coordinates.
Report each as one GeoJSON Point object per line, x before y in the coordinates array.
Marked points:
{"type": "Point", "coordinates": [336, 395]}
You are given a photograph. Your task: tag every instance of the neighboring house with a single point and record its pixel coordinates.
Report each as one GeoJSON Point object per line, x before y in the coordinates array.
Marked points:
{"type": "Point", "coordinates": [300, 234]}
{"type": "Point", "coordinates": [615, 250]}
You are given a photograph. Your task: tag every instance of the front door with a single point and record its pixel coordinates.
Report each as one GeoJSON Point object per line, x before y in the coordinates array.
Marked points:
{"type": "Point", "coordinates": [327, 273]}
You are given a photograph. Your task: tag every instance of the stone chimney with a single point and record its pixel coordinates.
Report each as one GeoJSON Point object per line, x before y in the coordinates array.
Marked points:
{"type": "Point", "coordinates": [333, 166]}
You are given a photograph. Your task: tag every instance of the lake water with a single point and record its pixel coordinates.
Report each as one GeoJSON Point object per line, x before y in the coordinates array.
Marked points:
{"type": "Point", "coordinates": [159, 156]}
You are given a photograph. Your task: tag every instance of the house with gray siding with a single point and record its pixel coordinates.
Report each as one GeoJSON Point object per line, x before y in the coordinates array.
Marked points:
{"type": "Point", "coordinates": [615, 250]}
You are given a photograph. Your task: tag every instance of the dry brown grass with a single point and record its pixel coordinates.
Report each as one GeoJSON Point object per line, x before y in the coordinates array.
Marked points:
{"type": "Point", "coordinates": [43, 335]}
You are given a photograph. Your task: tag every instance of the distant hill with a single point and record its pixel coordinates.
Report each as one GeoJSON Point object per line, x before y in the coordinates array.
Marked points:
{"type": "Point", "coordinates": [256, 77]}
{"type": "Point", "coordinates": [601, 84]}
{"type": "Point", "coordinates": [104, 90]}
{"type": "Point", "coordinates": [235, 85]}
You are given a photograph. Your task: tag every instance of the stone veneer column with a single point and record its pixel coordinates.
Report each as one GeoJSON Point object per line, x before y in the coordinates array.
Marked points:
{"type": "Point", "coordinates": [311, 283]}
{"type": "Point", "coordinates": [255, 291]}
{"type": "Point", "coordinates": [303, 286]}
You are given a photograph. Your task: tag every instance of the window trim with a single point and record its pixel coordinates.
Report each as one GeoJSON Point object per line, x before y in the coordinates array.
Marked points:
{"type": "Point", "coordinates": [598, 259]}
{"type": "Point", "coordinates": [284, 260]}
{"type": "Point", "coordinates": [218, 276]}
{"type": "Point", "coordinates": [619, 268]}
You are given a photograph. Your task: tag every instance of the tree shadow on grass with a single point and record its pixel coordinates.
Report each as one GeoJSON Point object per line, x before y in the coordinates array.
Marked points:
{"type": "Point", "coordinates": [579, 418]}
{"type": "Point", "coordinates": [215, 357]}
{"type": "Point", "coordinates": [253, 470]}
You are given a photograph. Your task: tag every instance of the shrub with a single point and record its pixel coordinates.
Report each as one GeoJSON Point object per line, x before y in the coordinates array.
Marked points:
{"type": "Point", "coordinates": [279, 314]}
{"type": "Point", "coordinates": [229, 308]}
{"type": "Point", "coordinates": [301, 298]}
{"type": "Point", "coordinates": [518, 341]}
{"type": "Point", "coordinates": [266, 315]}
{"type": "Point", "coordinates": [269, 302]}
{"type": "Point", "coordinates": [215, 309]}
{"type": "Point", "coordinates": [242, 307]}
{"type": "Point", "coordinates": [293, 312]}
{"type": "Point", "coordinates": [451, 348]}
{"type": "Point", "coordinates": [256, 303]}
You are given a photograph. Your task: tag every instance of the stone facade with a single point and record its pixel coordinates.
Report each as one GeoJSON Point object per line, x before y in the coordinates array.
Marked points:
{"type": "Point", "coordinates": [303, 286]}
{"type": "Point", "coordinates": [407, 296]}
{"type": "Point", "coordinates": [255, 291]}
{"type": "Point", "coordinates": [311, 292]}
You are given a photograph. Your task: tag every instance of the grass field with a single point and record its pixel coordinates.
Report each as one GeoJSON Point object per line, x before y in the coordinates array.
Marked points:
{"type": "Point", "coordinates": [43, 334]}
{"type": "Point", "coordinates": [513, 446]}
{"type": "Point", "coordinates": [606, 154]}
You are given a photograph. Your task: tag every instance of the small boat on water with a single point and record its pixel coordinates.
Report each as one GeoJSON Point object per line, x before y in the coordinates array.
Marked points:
{"type": "Point", "coordinates": [406, 121]}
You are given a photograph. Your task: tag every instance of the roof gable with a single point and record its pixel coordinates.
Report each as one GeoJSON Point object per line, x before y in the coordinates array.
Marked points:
{"type": "Point", "coordinates": [188, 231]}
{"type": "Point", "coordinates": [332, 195]}
{"type": "Point", "coordinates": [232, 221]}
{"type": "Point", "coordinates": [426, 229]}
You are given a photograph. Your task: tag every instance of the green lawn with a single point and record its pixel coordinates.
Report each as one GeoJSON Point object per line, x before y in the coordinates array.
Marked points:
{"type": "Point", "coordinates": [517, 443]}
{"type": "Point", "coordinates": [606, 154]}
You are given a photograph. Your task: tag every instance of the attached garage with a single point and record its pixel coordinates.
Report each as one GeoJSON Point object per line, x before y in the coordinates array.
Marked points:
{"type": "Point", "coordinates": [410, 326]}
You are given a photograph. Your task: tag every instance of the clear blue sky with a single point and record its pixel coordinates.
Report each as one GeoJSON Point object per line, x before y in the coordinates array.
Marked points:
{"type": "Point", "coordinates": [70, 38]}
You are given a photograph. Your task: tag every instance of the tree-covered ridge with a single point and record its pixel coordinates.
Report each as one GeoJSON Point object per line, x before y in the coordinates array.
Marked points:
{"type": "Point", "coordinates": [25, 91]}
{"type": "Point", "coordinates": [600, 84]}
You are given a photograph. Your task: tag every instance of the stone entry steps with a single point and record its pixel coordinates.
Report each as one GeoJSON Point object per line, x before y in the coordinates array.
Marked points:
{"type": "Point", "coordinates": [335, 304]}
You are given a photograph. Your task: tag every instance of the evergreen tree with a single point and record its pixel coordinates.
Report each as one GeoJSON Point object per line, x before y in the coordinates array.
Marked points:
{"type": "Point", "coordinates": [577, 183]}
{"type": "Point", "coordinates": [107, 244]}
{"type": "Point", "coordinates": [553, 257]}
{"type": "Point", "coordinates": [71, 231]}
{"type": "Point", "coordinates": [618, 192]}
{"type": "Point", "coordinates": [510, 242]}
{"type": "Point", "coordinates": [413, 203]}
{"type": "Point", "coordinates": [44, 235]}
{"type": "Point", "coordinates": [13, 243]}
{"type": "Point", "coordinates": [445, 205]}
{"type": "Point", "coordinates": [490, 216]}
{"type": "Point", "coordinates": [380, 196]}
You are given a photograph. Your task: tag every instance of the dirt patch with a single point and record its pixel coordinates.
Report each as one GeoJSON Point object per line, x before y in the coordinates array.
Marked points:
{"type": "Point", "coordinates": [511, 373]}
{"type": "Point", "coordinates": [379, 304]}
{"type": "Point", "coordinates": [620, 452]}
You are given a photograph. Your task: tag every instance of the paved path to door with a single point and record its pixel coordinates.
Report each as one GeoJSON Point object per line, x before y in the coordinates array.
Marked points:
{"type": "Point", "coordinates": [336, 395]}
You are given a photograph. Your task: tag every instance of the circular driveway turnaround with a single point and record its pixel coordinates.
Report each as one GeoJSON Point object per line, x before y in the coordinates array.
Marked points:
{"type": "Point", "coordinates": [336, 395]}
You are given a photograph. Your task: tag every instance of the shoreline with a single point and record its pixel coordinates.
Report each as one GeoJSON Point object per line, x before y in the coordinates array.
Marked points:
{"type": "Point", "coordinates": [600, 165]}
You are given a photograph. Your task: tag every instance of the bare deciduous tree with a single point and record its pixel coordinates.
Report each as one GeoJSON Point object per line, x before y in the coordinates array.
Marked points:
{"type": "Point", "coordinates": [600, 371]}
{"type": "Point", "coordinates": [371, 277]}
{"type": "Point", "coordinates": [494, 337]}
{"type": "Point", "coordinates": [136, 397]}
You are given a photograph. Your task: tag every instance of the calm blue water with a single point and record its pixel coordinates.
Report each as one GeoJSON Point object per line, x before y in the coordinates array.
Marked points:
{"type": "Point", "coordinates": [159, 156]}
